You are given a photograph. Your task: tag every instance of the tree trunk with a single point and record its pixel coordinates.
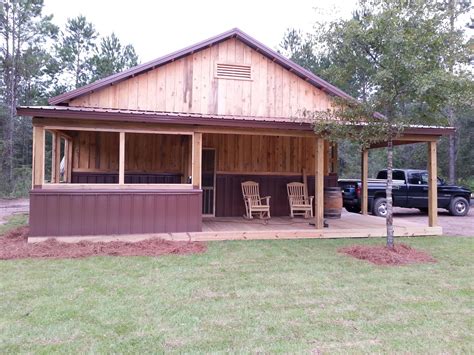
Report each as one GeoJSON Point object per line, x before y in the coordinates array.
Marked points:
{"type": "Point", "coordinates": [388, 192]}
{"type": "Point", "coordinates": [453, 152]}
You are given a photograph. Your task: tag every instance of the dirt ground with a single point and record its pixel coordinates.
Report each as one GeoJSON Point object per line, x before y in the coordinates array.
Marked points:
{"type": "Point", "coordinates": [14, 245]}
{"type": "Point", "coordinates": [401, 254]}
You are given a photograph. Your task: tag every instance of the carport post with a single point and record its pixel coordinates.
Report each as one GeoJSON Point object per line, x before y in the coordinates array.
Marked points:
{"type": "Point", "coordinates": [432, 185]}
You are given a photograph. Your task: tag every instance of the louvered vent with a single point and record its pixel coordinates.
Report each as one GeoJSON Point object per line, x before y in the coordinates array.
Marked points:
{"type": "Point", "coordinates": [233, 71]}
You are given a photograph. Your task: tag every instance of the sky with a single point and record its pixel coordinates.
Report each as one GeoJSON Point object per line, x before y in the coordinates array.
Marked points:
{"type": "Point", "coordinates": [156, 28]}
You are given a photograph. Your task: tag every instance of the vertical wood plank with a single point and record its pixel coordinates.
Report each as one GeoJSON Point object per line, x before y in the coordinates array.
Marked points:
{"type": "Point", "coordinates": [432, 185]}
{"type": "Point", "coordinates": [54, 154]}
{"type": "Point", "coordinates": [69, 150]}
{"type": "Point", "coordinates": [38, 156]}
{"type": "Point", "coordinates": [197, 160]}
{"type": "Point", "coordinates": [364, 179]}
{"type": "Point", "coordinates": [122, 158]}
{"type": "Point", "coordinates": [319, 184]}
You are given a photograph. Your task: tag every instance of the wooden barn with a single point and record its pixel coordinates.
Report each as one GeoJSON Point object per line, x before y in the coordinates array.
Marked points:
{"type": "Point", "coordinates": [162, 149]}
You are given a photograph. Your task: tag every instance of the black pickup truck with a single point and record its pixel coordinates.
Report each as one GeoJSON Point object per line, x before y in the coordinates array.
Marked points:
{"type": "Point", "coordinates": [410, 190]}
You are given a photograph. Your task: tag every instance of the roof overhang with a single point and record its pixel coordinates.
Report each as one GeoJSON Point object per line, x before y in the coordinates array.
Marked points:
{"type": "Point", "coordinates": [86, 113]}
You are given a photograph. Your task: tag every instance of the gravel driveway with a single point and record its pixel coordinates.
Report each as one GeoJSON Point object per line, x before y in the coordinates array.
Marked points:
{"type": "Point", "coordinates": [11, 207]}
{"type": "Point", "coordinates": [452, 226]}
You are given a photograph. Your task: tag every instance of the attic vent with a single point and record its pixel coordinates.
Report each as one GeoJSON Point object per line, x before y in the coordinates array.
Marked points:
{"type": "Point", "coordinates": [233, 71]}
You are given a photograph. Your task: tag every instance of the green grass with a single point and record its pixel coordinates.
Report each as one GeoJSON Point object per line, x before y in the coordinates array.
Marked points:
{"type": "Point", "coordinates": [14, 221]}
{"type": "Point", "coordinates": [249, 296]}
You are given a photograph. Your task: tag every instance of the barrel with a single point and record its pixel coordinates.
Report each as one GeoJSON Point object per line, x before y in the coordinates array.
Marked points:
{"type": "Point", "coordinates": [332, 202]}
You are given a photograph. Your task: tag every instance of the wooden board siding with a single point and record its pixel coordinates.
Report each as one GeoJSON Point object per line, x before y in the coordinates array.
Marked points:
{"type": "Point", "coordinates": [189, 85]}
{"type": "Point", "coordinates": [96, 152]}
{"type": "Point", "coordinates": [229, 201]}
{"type": "Point", "coordinates": [151, 153]}
{"type": "Point", "coordinates": [82, 212]}
{"type": "Point", "coordinates": [261, 154]}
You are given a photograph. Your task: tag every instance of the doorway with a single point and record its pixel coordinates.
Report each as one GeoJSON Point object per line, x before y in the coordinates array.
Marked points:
{"type": "Point", "coordinates": [208, 181]}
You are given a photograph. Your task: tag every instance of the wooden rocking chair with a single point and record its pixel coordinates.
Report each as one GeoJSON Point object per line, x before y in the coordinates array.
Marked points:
{"type": "Point", "coordinates": [300, 204]}
{"type": "Point", "coordinates": [253, 201]}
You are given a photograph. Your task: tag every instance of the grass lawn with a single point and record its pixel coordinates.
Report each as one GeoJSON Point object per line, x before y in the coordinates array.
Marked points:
{"type": "Point", "coordinates": [249, 296]}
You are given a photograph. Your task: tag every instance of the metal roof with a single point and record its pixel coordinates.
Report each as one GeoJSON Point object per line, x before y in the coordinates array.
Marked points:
{"type": "Point", "coordinates": [300, 124]}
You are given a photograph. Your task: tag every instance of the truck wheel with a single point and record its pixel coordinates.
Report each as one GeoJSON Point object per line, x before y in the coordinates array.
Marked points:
{"type": "Point", "coordinates": [380, 207]}
{"type": "Point", "coordinates": [423, 210]}
{"type": "Point", "coordinates": [459, 206]}
{"type": "Point", "coordinates": [353, 209]}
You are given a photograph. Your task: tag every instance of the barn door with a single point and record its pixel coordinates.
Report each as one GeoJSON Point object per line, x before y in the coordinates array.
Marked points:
{"type": "Point", "coordinates": [208, 181]}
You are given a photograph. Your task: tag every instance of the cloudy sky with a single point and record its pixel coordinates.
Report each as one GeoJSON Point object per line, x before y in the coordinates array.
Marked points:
{"type": "Point", "coordinates": [157, 27]}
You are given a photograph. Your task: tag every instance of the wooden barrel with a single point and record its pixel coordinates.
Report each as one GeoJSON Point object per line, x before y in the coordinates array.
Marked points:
{"type": "Point", "coordinates": [332, 202]}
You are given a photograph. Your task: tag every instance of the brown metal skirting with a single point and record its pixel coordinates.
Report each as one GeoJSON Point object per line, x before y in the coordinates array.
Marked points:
{"type": "Point", "coordinates": [111, 212]}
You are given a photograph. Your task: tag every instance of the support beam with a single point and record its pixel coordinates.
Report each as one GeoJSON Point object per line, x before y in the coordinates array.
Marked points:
{"type": "Point", "coordinates": [432, 186]}
{"type": "Point", "coordinates": [122, 159]}
{"type": "Point", "coordinates": [334, 159]}
{"type": "Point", "coordinates": [327, 158]}
{"type": "Point", "coordinates": [68, 149]}
{"type": "Point", "coordinates": [54, 154]}
{"type": "Point", "coordinates": [364, 180]}
{"type": "Point", "coordinates": [197, 160]}
{"type": "Point", "coordinates": [38, 156]}
{"type": "Point", "coordinates": [319, 184]}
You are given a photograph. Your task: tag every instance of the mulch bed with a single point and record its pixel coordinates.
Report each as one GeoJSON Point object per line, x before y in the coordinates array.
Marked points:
{"type": "Point", "coordinates": [402, 254]}
{"type": "Point", "coordinates": [14, 245]}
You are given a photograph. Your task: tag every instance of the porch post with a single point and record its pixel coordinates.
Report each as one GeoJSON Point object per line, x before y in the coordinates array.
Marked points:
{"type": "Point", "coordinates": [122, 159]}
{"type": "Point", "coordinates": [197, 160]}
{"type": "Point", "coordinates": [38, 156]}
{"type": "Point", "coordinates": [54, 153]}
{"type": "Point", "coordinates": [364, 180]}
{"type": "Point", "coordinates": [432, 185]}
{"type": "Point", "coordinates": [319, 184]}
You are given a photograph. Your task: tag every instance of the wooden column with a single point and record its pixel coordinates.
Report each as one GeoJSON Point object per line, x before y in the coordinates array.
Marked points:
{"type": "Point", "coordinates": [122, 159]}
{"type": "Point", "coordinates": [334, 159]}
{"type": "Point", "coordinates": [319, 184]}
{"type": "Point", "coordinates": [57, 172]}
{"type": "Point", "coordinates": [327, 158]}
{"type": "Point", "coordinates": [432, 185]}
{"type": "Point", "coordinates": [54, 159]}
{"type": "Point", "coordinates": [364, 179]}
{"type": "Point", "coordinates": [197, 160]}
{"type": "Point", "coordinates": [38, 157]}
{"type": "Point", "coordinates": [68, 156]}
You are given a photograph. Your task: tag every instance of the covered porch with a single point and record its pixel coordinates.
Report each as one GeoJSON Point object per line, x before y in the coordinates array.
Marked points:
{"type": "Point", "coordinates": [179, 177]}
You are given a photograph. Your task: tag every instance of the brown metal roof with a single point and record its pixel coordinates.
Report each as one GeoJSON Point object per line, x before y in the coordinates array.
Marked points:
{"type": "Point", "coordinates": [195, 119]}
{"type": "Point", "coordinates": [234, 33]}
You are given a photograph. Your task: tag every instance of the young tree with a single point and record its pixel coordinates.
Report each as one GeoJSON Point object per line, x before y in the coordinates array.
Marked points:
{"type": "Point", "coordinates": [112, 57]}
{"type": "Point", "coordinates": [76, 49]}
{"type": "Point", "coordinates": [24, 30]}
{"type": "Point", "coordinates": [398, 49]}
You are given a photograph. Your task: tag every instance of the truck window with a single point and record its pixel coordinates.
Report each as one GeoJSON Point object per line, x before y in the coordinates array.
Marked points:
{"type": "Point", "coordinates": [415, 179]}
{"type": "Point", "coordinates": [424, 178]}
{"type": "Point", "coordinates": [397, 175]}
